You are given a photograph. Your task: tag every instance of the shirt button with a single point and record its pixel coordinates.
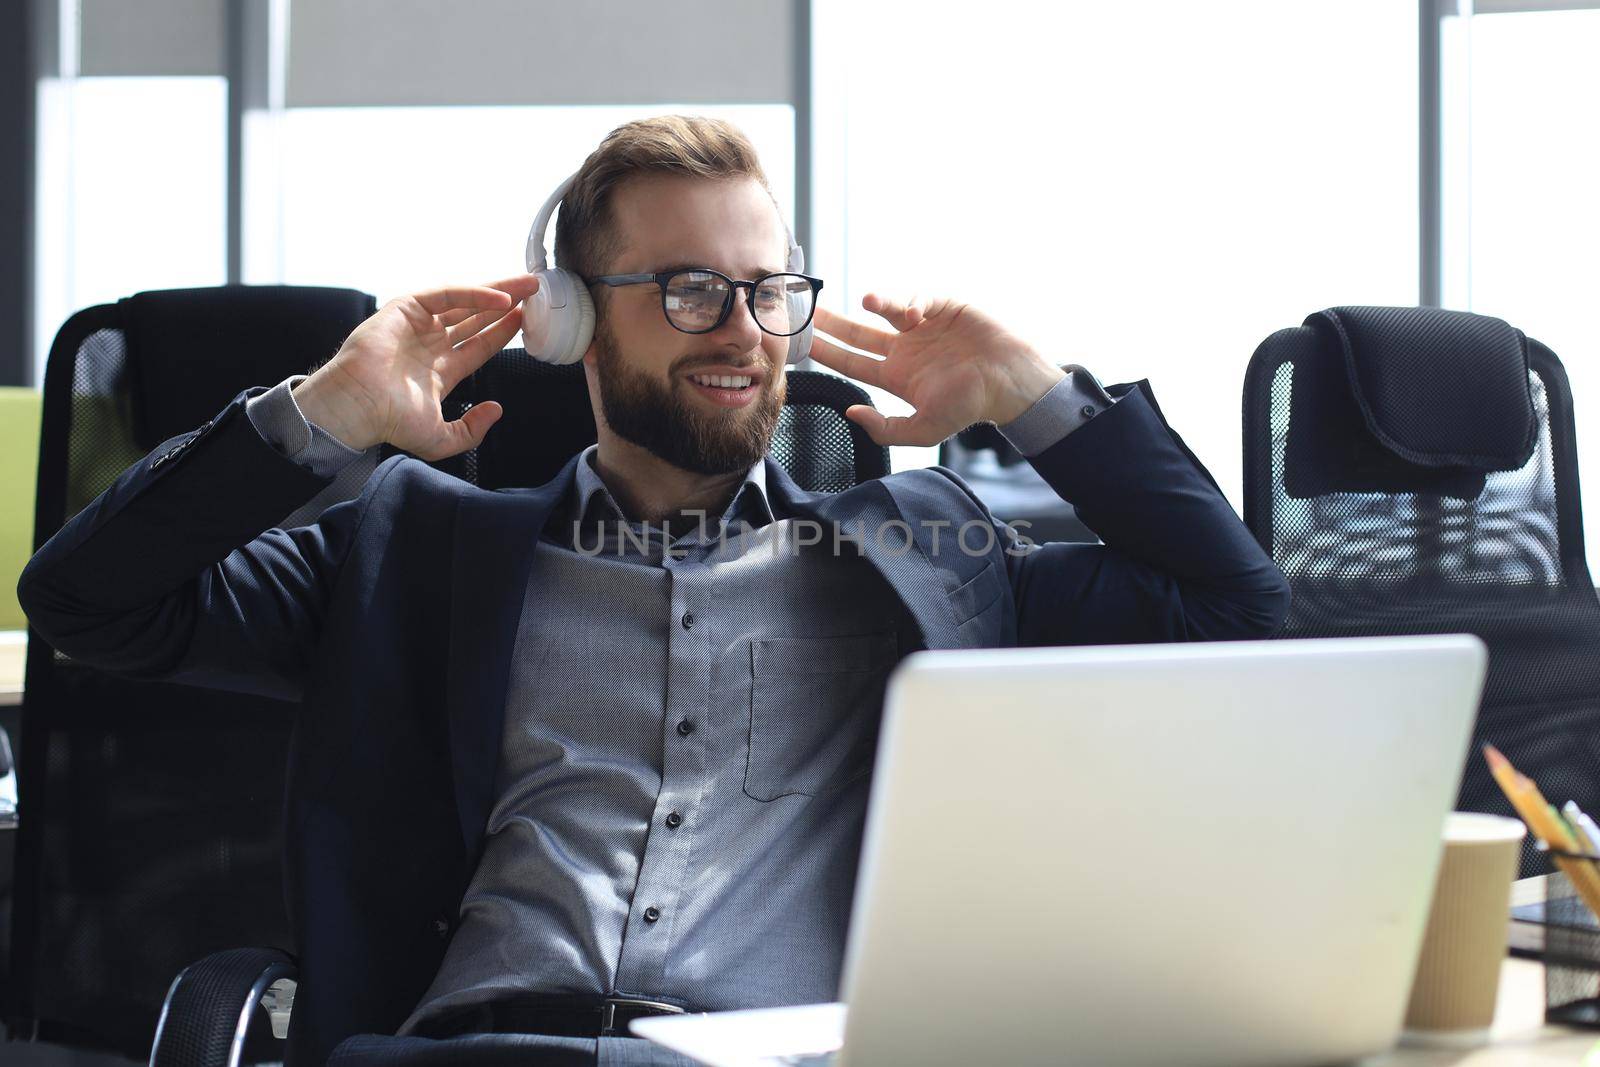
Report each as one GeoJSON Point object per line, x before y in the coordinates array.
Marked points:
{"type": "Point", "coordinates": [674, 820]}
{"type": "Point", "coordinates": [688, 620]}
{"type": "Point", "coordinates": [685, 727]}
{"type": "Point", "coordinates": [651, 914]}
{"type": "Point", "coordinates": [1087, 411]}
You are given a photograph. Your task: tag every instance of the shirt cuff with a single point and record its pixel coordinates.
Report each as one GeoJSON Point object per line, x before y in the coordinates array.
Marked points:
{"type": "Point", "coordinates": [1070, 403]}
{"type": "Point", "coordinates": [278, 419]}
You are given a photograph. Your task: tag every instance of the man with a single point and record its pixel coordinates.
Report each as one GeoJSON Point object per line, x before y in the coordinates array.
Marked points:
{"type": "Point", "coordinates": [574, 743]}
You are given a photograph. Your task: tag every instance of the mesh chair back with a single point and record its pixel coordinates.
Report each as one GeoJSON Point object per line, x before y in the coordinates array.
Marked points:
{"type": "Point", "coordinates": [150, 828]}
{"type": "Point", "coordinates": [1506, 564]}
{"type": "Point", "coordinates": [548, 420]}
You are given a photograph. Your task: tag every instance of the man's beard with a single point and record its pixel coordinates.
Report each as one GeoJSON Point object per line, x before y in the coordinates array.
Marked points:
{"type": "Point", "coordinates": [651, 415]}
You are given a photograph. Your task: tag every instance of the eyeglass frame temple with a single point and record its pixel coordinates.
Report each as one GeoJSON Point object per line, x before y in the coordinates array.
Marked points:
{"type": "Point", "coordinates": [660, 278]}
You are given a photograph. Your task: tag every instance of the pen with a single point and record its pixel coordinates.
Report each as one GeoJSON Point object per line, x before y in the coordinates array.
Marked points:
{"type": "Point", "coordinates": [1584, 825]}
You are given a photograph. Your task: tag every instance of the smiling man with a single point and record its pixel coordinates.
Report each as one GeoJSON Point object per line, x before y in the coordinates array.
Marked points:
{"type": "Point", "coordinates": [689, 382]}
{"type": "Point", "coordinates": [541, 790]}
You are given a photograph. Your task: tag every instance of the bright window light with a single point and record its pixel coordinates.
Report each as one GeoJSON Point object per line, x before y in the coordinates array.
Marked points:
{"type": "Point", "coordinates": [1535, 229]}
{"type": "Point", "coordinates": [1148, 189]}
{"type": "Point", "coordinates": [132, 181]}
{"type": "Point", "coordinates": [396, 199]}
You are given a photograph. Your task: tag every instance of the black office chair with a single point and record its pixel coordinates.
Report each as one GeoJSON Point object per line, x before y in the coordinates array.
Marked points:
{"type": "Point", "coordinates": [1413, 471]}
{"type": "Point", "coordinates": [1009, 487]}
{"type": "Point", "coordinates": [151, 813]}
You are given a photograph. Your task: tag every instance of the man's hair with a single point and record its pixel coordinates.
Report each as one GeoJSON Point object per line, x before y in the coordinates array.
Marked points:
{"type": "Point", "coordinates": [687, 146]}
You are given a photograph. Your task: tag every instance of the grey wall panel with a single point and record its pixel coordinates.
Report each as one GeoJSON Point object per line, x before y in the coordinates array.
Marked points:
{"type": "Point", "coordinates": [17, 103]}
{"type": "Point", "coordinates": [152, 37]}
{"type": "Point", "coordinates": [41, 26]}
{"type": "Point", "coordinates": [1430, 155]}
{"type": "Point", "coordinates": [1498, 7]}
{"type": "Point", "coordinates": [422, 52]}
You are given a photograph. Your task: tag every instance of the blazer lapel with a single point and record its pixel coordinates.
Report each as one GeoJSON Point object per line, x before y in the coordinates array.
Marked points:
{"type": "Point", "coordinates": [862, 512]}
{"type": "Point", "coordinates": [492, 556]}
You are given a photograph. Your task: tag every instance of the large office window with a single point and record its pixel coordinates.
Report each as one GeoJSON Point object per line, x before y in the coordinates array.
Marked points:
{"type": "Point", "coordinates": [130, 191]}
{"type": "Point", "coordinates": [1533, 242]}
{"type": "Point", "coordinates": [1147, 189]}
{"type": "Point", "coordinates": [130, 153]}
{"type": "Point", "coordinates": [384, 145]}
{"type": "Point", "coordinates": [333, 202]}
{"type": "Point", "coordinates": [410, 143]}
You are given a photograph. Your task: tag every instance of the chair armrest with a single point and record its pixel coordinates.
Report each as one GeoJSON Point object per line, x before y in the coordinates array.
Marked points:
{"type": "Point", "coordinates": [210, 1005]}
{"type": "Point", "coordinates": [8, 783]}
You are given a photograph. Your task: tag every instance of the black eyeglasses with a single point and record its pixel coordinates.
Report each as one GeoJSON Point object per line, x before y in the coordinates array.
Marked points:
{"type": "Point", "coordinates": [699, 299]}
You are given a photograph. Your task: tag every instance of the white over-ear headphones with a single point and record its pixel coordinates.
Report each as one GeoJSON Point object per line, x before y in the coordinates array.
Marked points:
{"type": "Point", "coordinates": [558, 320]}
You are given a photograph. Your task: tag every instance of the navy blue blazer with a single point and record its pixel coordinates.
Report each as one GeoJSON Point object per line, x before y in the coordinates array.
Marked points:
{"type": "Point", "coordinates": [392, 619]}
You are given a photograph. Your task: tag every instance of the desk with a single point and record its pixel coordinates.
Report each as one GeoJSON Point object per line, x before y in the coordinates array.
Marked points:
{"type": "Point", "coordinates": [1521, 1039]}
{"type": "Point", "coordinates": [1520, 1036]}
{"type": "Point", "coordinates": [13, 650]}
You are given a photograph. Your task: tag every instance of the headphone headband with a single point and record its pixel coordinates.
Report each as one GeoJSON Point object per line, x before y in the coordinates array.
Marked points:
{"type": "Point", "coordinates": [536, 259]}
{"type": "Point", "coordinates": [535, 256]}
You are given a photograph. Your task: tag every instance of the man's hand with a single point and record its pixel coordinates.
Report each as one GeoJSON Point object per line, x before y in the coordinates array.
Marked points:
{"type": "Point", "coordinates": [388, 381]}
{"type": "Point", "coordinates": [949, 361]}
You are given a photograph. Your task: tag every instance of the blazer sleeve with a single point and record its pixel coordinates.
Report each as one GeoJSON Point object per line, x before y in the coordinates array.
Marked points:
{"type": "Point", "coordinates": [168, 575]}
{"type": "Point", "coordinates": [1176, 562]}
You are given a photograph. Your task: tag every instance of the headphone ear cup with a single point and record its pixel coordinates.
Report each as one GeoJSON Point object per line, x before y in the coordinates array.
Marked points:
{"type": "Point", "coordinates": [800, 346]}
{"type": "Point", "coordinates": [584, 304]}
{"type": "Point", "coordinates": [558, 320]}
{"type": "Point", "coordinates": [800, 343]}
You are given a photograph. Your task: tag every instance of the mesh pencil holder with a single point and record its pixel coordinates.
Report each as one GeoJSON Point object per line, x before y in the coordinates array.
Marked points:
{"type": "Point", "coordinates": [1571, 947]}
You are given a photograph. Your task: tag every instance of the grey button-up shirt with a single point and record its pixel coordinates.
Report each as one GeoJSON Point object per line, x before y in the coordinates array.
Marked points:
{"type": "Point", "coordinates": [683, 769]}
{"type": "Point", "coordinates": [690, 725]}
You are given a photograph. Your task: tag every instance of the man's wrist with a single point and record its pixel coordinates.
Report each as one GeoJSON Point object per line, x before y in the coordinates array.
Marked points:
{"type": "Point", "coordinates": [333, 413]}
{"type": "Point", "coordinates": [1023, 385]}
{"type": "Point", "coordinates": [1071, 402]}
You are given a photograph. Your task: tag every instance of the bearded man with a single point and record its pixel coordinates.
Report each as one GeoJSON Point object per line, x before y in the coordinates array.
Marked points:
{"type": "Point", "coordinates": [569, 755]}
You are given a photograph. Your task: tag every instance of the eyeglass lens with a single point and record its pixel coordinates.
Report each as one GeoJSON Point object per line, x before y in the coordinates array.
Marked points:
{"type": "Point", "coordinates": [695, 299]}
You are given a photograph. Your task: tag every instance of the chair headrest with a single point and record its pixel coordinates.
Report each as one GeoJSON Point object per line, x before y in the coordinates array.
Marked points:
{"type": "Point", "coordinates": [189, 349]}
{"type": "Point", "coordinates": [1409, 399]}
{"type": "Point", "coordinates": [1438, 388]}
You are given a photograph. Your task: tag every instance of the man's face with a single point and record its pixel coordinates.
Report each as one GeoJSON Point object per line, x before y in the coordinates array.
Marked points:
{"type": "Point", "coordinates": [645, 369]}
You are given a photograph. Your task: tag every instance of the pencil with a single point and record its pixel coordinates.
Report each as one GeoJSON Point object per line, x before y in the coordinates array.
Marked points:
{"type": "Point", "coordinates": [1537, 813]}
{"type": "Point", "coordinates": [1564, 837]}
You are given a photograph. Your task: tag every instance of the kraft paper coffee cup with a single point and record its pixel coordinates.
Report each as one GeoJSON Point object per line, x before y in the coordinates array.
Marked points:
{"type": "Point", "coordinates": [1458, 975]}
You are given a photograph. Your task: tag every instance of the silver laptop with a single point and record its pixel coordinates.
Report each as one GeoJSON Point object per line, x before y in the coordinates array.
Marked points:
{"type": "Point", "coordinates": [1176, 854]}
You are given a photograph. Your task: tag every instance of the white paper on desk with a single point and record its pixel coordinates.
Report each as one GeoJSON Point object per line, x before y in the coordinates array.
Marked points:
{"type": "Point", "coordinates": [750, 1038]}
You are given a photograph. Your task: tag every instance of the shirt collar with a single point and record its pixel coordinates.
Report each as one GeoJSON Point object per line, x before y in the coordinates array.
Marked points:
{"type": "Point", "coordinates": [749, 502]}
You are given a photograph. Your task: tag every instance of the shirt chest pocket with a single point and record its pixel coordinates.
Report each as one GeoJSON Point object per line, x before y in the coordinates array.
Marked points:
{"type": "Point", "coordinates": [815, 703]}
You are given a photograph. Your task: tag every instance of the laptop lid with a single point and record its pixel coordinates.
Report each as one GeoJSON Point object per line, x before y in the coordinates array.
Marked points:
{"type": "Point", "coordinates": [1210, 853]}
